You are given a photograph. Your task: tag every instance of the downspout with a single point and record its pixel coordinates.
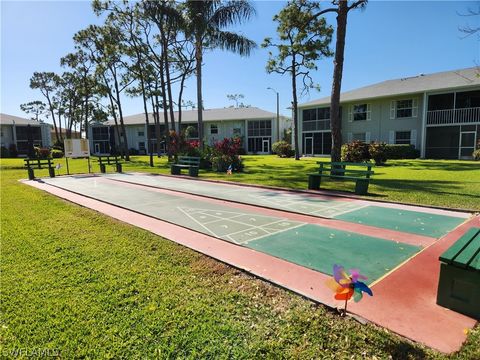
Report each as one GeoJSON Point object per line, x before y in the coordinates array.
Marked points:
{"type": "Point", "coordinates": [424, 126]}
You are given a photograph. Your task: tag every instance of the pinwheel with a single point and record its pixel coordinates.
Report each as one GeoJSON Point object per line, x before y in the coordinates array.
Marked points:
{"type": "Point", "coordinates": [345, 286]}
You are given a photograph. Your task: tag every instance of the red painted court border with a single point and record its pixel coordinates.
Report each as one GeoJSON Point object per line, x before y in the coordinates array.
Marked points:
{"type": "Point", "coordinates": [411, 312]}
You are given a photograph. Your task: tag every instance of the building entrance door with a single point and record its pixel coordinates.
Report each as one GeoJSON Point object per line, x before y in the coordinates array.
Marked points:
{"type": "Point", "coordinates": [467, 144]}
{"type": "Point", "coordinates": [266, 146]}
{"type": "Point", "coordinates": [308, 146]}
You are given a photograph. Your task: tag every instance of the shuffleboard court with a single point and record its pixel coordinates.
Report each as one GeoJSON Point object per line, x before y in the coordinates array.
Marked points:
{"type": "Point", "coordinates": [312, 246]}
{"type": "Point", "coordinates": [352, 210]}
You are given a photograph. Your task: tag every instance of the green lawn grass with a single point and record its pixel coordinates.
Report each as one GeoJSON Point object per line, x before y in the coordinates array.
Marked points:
{"type": "Point", "coordinates": [445, 183]}
{"type": "Point", "coordinates": [79, 282]}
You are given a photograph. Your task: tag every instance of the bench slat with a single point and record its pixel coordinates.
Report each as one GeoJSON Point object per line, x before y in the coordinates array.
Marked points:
{"type": "Point", "coordinates": [329, 164]}
{"type": "Point", "coordinates": [467, 255]}
{"type": "Point", "coordinates": [339, 176]}
{"type": "Point", "coordinates": [468, 243]}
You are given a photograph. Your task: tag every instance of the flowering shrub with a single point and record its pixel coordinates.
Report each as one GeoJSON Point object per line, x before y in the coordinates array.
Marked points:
{"type": "Point", "coordinates": [355, 151]}
{"type": "Point", "coordinates": [191, 148]}
{"type": "Point", "coordinates": [226, 153]}
{"type": "Point", "coordinates": [42, 153]}
{"type": "Point", "coordinates": [378, 152]}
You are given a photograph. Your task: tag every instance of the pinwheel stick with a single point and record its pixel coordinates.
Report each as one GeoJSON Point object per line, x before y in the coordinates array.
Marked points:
{"type": "Point", "coordinates": [345, 309]}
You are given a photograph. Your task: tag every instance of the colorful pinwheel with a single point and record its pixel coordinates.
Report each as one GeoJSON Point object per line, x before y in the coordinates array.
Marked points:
{"type": "Point", "coordinates": [345, 286]}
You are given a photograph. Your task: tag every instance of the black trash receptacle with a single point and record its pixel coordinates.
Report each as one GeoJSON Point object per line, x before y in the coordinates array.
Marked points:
{"type": "Point", "coordinates": [102, 168]}
{"type": "Point", "coordinates": [119, 168]}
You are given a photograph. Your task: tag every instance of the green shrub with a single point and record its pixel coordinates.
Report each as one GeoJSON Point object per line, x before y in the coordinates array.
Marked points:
{"type": "Point", "coordinates": [283, 149]}
{"type": "Point", "coordinates": [56, 153]}
{"type": "Point", "coordinates": [4, 153]}
{"type": "Point", "coordinates": [404, 151]}
{"type": "Point", "coordinates": [378, 152]}
{"type": "Point", "coordinates": [133, 151]}
{"type": "Point", "coordinates": [355, 151]}
{"type": "Point", "coordinates": [476, 155]}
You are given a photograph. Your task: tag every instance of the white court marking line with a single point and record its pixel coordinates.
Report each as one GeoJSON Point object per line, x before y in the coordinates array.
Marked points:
{"type": "Point", "coordinates": [252, 227]}
{"type": "Point", "coordinates": [220, 219]}
{"type": "Point", "coordinates": [249, 226]}
{"type": "Point", "coordinates": [273, 233]}
{"type": "Point", "coordinates": [211, 232]}
{"type": "Point", "coordinates": [350, 210]}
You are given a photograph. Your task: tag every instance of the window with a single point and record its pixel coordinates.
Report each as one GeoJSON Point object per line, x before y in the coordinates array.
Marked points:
{"type": "Point", "coordinates": [141, 146]}
{"type": "Point", "coordinates": [359, 136]}
{"type": "Point", "coordinates": [141, 133]}
{"type": "Point", "coordinates": [213, 129]}
{"type": "Point", "coordinates": [406, 108]}
{"type": "Point", "coordinates": [310, 114]}
{"type": "Point", "coordinates": [403, 137]}
{"type": "Point", "coordinates": [360, 112]}
{"type": "Point", "coordinates": [260, 128]}
{"type": "Point", "coordinates": [324, 113]}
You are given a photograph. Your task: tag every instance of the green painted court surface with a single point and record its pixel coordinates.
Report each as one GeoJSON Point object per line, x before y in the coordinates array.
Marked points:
{"type": "Point", "coordinates": [318, 248]}
{"type": "Point", "coordinates": [309, 245]}
{"type": "Point", "coordinates": [359, 212]}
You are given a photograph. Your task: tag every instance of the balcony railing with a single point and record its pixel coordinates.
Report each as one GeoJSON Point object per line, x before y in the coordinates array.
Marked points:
{"type": "Point", "coordinates": [315, 125]}
{"type": "Point", "coordinates": [453, 116]}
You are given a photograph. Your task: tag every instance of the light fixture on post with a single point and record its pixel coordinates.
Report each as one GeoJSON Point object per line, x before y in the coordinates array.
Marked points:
{"type": "Point", "coordinates": [278, 113]}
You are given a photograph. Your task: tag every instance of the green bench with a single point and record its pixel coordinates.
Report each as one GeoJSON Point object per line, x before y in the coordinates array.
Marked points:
{"type": "Point", "coordinates": [192, 163]}
{"type": "Point", "coordinates": [459, 282]}
{"type": "Point", "coordinates": [104, 160]}
{"type": "Point", "coordinates": [31, 164]}
{"type": "Point", "coordinates": [342, 171]}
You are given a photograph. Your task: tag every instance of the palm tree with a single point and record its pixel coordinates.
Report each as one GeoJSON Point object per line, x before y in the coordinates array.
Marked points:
{"type": "Point", "coordinates": [205, 24]}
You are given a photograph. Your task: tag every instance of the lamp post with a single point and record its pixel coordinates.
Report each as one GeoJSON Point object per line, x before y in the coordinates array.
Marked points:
{"type": "Point", "coordinates": [278, 113]}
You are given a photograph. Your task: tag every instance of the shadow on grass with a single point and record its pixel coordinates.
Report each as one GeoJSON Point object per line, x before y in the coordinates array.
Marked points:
{"type": "Point", "coordinates": [436, 187]}
{"type": "Point", "coordinates": [435, 165]}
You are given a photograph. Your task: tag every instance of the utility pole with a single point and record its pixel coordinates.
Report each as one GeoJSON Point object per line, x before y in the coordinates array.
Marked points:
{"type": "Point", "coordinates": [278, 113]}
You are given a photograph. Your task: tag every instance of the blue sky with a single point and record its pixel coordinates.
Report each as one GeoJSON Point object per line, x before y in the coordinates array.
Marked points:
{"type": "Point", "coordinates": [389, 39]}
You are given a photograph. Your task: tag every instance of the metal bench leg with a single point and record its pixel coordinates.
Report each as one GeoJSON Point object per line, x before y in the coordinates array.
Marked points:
{"type": "Point", "coordinates": [174, 170]}
{"type": "Point", "coordinates": [313, 182]}
{"type": "Point", "coordinates": [51, 172]}
{"type": "Point", "coordinates": [193, 171]}
{"type": "Point", "coordinates": [119, 168]}
{"type": "Point", "coordinates": [31, 174]}
{"type": "Point", "coordinates": [103, 170]}
{"type": "Point", "coordinates": [361, 186]}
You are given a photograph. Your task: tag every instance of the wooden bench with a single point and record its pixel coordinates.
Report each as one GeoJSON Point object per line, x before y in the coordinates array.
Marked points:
{"type": "Point", "coordinates": [192, 163]}
{"type": "Point", "coordinates": [31, 164]}
{"type": "Point", "coordinates": [459, 282]}
{"type": "Point", "coordinates": [343, 171]}
{"type": "Point", "coordinates": [104, 160]}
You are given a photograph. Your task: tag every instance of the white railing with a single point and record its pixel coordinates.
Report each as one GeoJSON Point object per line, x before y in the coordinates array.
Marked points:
{"type": "Point", "coordinates": [453, 116]}
{"type": "Point", "coordinates": [315, 125]}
